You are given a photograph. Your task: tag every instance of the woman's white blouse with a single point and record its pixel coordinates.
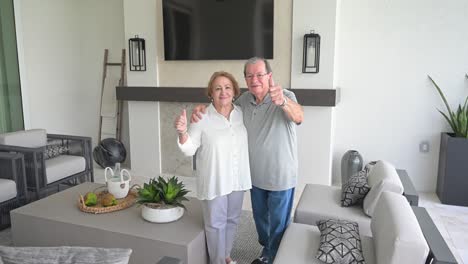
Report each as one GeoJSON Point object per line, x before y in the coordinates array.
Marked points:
{"type": "Point", "coordinates": [222, 156]}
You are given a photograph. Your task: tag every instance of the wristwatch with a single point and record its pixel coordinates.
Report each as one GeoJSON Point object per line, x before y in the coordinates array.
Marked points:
{"type": "Point", "coordinates": [284, 102]}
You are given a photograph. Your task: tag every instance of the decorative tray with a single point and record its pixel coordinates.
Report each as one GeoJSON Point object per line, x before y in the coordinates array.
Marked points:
{"type": "Point", "coordinates": [100, 209]}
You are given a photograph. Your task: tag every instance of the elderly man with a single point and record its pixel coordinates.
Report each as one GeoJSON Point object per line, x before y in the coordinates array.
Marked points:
{"type": "Point", "coordinates": [270, 116]}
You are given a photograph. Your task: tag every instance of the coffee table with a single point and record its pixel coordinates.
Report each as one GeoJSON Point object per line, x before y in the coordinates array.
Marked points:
{"type": "Point", "coordinates": [57, 221]}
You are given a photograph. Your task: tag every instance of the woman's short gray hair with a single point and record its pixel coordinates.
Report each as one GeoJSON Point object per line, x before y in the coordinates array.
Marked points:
{"type": "Point", "coordinates": [254, 60]}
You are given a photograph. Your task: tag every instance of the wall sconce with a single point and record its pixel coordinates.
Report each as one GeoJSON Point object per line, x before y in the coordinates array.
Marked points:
{"type": "Point", "coordinates": [137, 54]}
{"type": "Point", "coordinates": [311, 60]}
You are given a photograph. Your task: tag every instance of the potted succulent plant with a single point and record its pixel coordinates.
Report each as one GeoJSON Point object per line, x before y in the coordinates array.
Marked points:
{"type": "Point", "coordinates": [162, 199]}
{"type": "Point", "coordinates": [453, 155]}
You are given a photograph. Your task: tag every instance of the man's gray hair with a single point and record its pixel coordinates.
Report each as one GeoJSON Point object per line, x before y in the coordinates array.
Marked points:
{"type": "Point", "coordinates": [254, 60]}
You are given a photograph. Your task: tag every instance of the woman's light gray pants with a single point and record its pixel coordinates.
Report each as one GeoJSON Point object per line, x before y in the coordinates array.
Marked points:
{"type": "Point", "coordinates": [221, 216]}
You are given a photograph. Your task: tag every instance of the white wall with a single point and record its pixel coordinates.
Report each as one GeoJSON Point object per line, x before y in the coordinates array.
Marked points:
{"type": "Point", "coordinates": [61, 46]}
{"type": "Point", "coordinates": [141, 20]}
{"type": "Point", "coordinates": [385, 51]}
{"type": "Point", "coordinates": [315, 133]}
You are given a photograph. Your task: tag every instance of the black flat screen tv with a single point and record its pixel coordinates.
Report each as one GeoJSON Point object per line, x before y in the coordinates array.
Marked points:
{"type": "Point", "coordinates": [217, 29]}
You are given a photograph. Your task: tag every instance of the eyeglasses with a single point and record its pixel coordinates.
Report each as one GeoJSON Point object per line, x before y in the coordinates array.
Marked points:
{"type": "Point", "coordinates": [258, 75]}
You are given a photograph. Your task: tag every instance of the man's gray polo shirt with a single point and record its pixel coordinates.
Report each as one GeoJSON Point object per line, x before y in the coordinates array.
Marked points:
{"type": "Point", "coordinates": [272, 142]}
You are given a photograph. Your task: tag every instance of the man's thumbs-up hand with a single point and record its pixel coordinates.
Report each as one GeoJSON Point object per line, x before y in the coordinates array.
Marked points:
{"type": "Point", "coordinates": [276, 92]}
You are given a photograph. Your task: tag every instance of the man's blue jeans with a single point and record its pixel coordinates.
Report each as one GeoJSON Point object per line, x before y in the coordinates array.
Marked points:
{"type": "Point", "coordinates": [272, 214]}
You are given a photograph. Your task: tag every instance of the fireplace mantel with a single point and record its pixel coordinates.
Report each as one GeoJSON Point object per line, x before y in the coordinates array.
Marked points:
{"type": "Point", "coordinates": [306, 97]}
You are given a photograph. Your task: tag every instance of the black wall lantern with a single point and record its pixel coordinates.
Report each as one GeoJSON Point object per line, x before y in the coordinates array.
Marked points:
{"type": "Point", "coordinates": [311, 59]}
{"type": "Point", "coordinates": [137, 53]}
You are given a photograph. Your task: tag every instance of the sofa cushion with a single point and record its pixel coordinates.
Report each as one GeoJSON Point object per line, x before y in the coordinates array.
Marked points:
{"type": "Point", "coordinates": [300, 242]}
{"type": "Point", "coordinates": [64, 255]}
{"type": "Point", "coordinates": [383, 170]}
{"type": "Point", "coordinates": [382, 177]}
{"type": "Point", "coordinates": [355, 189]}
{"type": "Point", "coordinates": [32, 138]}
{"type": "Point", "coordinates": [339, 242]}
{"type": "Point", "coordinates": [7, 190]}
{"type": "Point", "coordinates": [321, 202]}
{"type": "Point", "coordinates": [63, 166]}
{"type": "Point", "coordinates": [368, 167]}
{"type": "Point", "coordinates": [397, 235]}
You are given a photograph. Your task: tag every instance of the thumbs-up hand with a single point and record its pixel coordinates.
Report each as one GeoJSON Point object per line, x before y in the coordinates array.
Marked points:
{"type": "Point", "coordinates": [181, 122]}
{"type": "Point", "coordinates": [276, 92]}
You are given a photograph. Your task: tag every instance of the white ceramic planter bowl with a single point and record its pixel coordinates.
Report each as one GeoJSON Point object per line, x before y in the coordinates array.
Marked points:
{"type": "Point", "coordinates": [161, 215]}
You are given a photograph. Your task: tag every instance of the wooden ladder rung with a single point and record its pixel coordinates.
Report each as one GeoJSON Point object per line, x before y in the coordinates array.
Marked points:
{"type": "Point", "coordinates": [113, 63]}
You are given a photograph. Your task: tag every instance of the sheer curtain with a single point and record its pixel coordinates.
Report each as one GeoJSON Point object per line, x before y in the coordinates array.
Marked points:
{"type": "Point", "coordinates": [11, 110]}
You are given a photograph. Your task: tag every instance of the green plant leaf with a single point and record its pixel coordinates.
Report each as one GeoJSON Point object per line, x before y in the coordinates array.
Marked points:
{"type": "Point", "coordinates": [457, 120]}
{"type": "Point", "coordinates": [160, 190]}
{"type": "Point", "coordinates": [441, 94]}
{"type": "Point", "coordinates": [462, 121]}
{"type": "Point", "coordinates": [448, 120]}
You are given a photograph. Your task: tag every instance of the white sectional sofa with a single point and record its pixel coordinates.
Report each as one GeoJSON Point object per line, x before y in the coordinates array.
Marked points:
{"type": "Point", "coordinates": [384, 224]}
{"type": "Point", "coordinates": [397, 237]}
{"type": "Point", "coordinates": [319, 202]}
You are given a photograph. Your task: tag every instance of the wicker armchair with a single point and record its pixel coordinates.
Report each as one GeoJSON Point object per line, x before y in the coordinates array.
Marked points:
{"type": "Point", "coordinates": [13, 192]}
{"type": "Point", "coordinates": [51, 161]}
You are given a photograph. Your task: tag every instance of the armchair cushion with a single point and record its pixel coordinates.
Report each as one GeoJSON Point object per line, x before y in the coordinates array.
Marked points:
{"type": "Point", "coordinates": [32, 138]}
{"type": "Point", "coordinates": [7, 190]}
{"type": "Point", "coordinates": [64, 255]}
{"type": "Point", "coordinates": [397, 235]}
{"type": "Point", "coordinates": [63, 166]}
{"type": "Point", "coordinates": [382, 177]}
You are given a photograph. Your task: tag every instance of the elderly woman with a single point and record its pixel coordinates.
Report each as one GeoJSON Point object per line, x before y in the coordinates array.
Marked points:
{"type": "Point", "coordinates": [223, 171]}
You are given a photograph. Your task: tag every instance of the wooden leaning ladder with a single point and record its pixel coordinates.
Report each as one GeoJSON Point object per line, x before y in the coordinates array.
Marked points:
{"type": "Point", "coordinates": [121, 82]}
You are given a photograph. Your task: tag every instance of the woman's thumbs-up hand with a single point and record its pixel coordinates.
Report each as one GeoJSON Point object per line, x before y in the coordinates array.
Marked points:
{"type": "Point", "coordinates": [181, 122]}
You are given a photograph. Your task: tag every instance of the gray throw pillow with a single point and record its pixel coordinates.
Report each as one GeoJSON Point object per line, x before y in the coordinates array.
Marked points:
{"type": "Point", "coordinates": [339, 242]}
{"type": "Point", "coordinates": [64, 255]}
{"type": "Point", "coordinates": [354, 191]}
{"type": "Point", "coordinates": [53, 151]}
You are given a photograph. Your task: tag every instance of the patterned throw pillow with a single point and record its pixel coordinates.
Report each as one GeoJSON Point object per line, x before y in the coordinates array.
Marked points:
{"type": "Point", "coordinates": [355, 190]}
{"type": "Point", "coordinates": [53, 151]}
{"type": "Point", "coordinates": [339, 242]}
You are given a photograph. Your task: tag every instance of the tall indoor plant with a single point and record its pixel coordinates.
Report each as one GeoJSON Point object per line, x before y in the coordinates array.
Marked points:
{"type": "Point", "coordinates": [452, 179]}
{"type": "Point", "coordinates": [162, 199]}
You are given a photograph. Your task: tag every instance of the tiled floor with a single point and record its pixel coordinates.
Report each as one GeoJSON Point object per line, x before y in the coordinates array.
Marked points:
{"type": "Point", "coordinates": [452, 221]}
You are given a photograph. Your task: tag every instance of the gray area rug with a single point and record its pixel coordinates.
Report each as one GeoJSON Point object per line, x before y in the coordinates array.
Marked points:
{"type": "Point", "coordinates": [246, 247]}
{"type": "Point", "coordinates": [245, 250]}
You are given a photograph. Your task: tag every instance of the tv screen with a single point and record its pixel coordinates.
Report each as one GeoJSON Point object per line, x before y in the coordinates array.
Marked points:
{"type": "Point", "coordinates": [217, 29]}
